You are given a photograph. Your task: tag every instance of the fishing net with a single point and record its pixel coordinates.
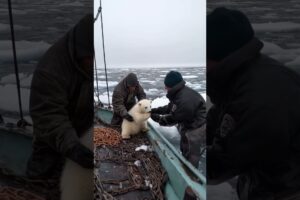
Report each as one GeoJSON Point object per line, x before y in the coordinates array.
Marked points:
{"type": "Point", "coordinates": [22, 188]}
{"type": "Point", "coordinates": [11, 193]}
{"type": "Point", "coordinates": [123, 172]}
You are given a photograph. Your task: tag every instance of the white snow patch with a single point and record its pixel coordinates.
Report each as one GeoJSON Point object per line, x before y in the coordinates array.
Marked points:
{"type": "Point", "coordinates": [294, 63]}
{"type": "Point", "coordinates": [147, 81]}
{"type": "Point", "coordinates": [9, 98]}
{"type": "Point", "coordinates": [103, 98]}
{"type": "Point", "coordinates": [144, 148]}
{"type": "Point", "coordinates": [72, 3]}
{"type": "Point", "coordinates": [137, 163]}
{"type": "Point", "coordinates": [160, 101]}
{"type": "Point", "coordinates": [26, 50]}
{"type": "Point", "coordinates": [152, 91]}
{"type": "Point", "coordinates": [286, 56]}
{"type": "Point", "coordinates": [276, 26]}
{"type": "Point", "coordinates": [5, 28]}
{"type": "Point", "coordinates": [189, 76]}
{"type": "Point", "coordinates": [203, 94]}
{"type": "Point", "coordinates": [25, 79]}
{"type": "Point", "coordinates": [195, 86]}
{"type": "Point", "coordinates": [222, 191]}
{"type": "Point", "coordinates": [148, 183]}
{"type": "Point", "coordinates": [170, 132]}
{"type": "Point", "coordinates": [103, 83]}
{"type": "Point", "coordinates": [15, 120]}
{"type": "Point", "coordinates": [26, 82]}
{"type": "Point", "coordinates": [4, 11]}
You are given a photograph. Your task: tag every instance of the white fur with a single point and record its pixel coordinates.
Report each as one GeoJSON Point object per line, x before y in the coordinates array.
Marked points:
{"type": "Point", "coordinates": [140, 113]}
{"type": "Point", "coordinates": [77, 183]}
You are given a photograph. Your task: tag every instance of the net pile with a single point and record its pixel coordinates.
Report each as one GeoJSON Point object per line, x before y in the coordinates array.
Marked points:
{"type": "Point", "coordinates": [11, 193]}
{"type": "Point", "coordinates": [106, 136]}
{"type": "Point", "coordinates": [22, 188]}
{"type": "Point", "coordinates": [121, 171]}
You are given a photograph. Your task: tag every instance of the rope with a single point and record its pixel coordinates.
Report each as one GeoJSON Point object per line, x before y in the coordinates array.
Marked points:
{"type": "Point", "coordinates": [99, 10]}
{"type": "Point", "coordinates": [103, 47]}
{"type": "Point", "coordinates": [15, 58]}
{"type": "Point", "coordinates": [97, 93]}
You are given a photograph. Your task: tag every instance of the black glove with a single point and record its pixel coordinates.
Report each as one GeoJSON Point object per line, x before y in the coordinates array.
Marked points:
{"type": "Point", "coordinates": [128, 117]}
{"type": "Point", "coordinates": [155, 117]}
{"type": "Point", "coordinates": [81, 155]}
{"type": "Point", "coordinates": [154, 110]}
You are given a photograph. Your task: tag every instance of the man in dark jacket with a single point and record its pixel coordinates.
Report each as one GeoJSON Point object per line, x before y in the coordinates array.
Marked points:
{"type": "Point", "coordinates": [253, 126]}
{"type": "Point", "coordinates": [187, 109]}
{"type": "Point", "coordinates": [124, 98]}
{"type": "Point", "coordinates": [61, 102]}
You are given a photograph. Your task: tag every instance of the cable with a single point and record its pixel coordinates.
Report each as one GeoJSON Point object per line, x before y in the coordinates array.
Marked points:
{"type": "Point", "coordinates": [96, 73]}
{"type": "Point", "coordinates": [15, 58]}
{"type": "Point", "coordinates": [104, 57]}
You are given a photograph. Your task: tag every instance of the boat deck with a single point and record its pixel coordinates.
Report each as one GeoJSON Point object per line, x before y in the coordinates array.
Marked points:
{"type": "Point", "coordinates": [121, 172]}
{"type": "Point", "coordinates": [15, 149]}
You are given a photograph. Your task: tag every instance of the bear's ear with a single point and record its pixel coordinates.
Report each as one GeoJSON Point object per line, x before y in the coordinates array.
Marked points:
{"type": "Point", "coordinates": [140, 104]}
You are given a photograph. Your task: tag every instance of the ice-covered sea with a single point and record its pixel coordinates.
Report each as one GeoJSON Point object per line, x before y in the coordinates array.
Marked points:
{"type": "Point", "coordinates": [276, 23]}
{"type": "Point", "coordinates": [151, 79]}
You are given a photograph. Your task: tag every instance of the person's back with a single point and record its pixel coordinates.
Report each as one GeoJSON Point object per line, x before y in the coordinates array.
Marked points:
{"type": "Point", "coordinates": [275, 91]}
{"type": "Point", "coordinates": [61, 102]}
{"type": "Point", "coordinates": [256, 133]}
{"type": "Point", "coordinates": [194, 110]}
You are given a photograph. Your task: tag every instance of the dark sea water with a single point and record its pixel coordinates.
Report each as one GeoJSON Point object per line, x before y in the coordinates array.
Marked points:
{"type": "Point", "coordinates": [38, 24]}
{"type": "Point", "coordinates": [269, 11]}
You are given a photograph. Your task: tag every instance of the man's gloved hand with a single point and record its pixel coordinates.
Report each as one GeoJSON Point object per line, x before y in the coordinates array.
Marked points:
{"type": "Point", "coordinates": [128, 117]}
{"type": "Point", "coordinates": [81, 155]}
{"type": "Point", "coordinates": [155, 117]}
{"type": "Point", "coordinates": [154, 110]}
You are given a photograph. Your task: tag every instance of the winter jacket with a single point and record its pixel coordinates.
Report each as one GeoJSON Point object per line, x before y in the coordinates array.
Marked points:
{"type": "Point", "coordinates": [253, 128]}
{"type": "Point", "coordinates": [61, 106]}
{"type": "Point", "coordinates": [187, 110]}
{"type": "Point", "coordinates": [123, 100]}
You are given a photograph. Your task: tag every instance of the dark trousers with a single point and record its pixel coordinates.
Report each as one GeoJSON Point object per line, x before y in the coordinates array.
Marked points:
{"type": "Point", "coordinates": [191, 143]}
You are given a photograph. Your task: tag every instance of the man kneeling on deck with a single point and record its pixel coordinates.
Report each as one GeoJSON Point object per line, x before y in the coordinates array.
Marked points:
{"type": "Point", "coordinates": [187, 109]}
{"type": "Point", "coordinates": [124, 98]}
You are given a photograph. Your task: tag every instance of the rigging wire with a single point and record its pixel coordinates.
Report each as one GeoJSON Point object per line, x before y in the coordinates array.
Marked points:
{"type": "Point", "coordinates": [15, 58]}
{"type": "Point", "coordinates": [103, 48]}
{"type": "Point", "coordinates": [96, 73]}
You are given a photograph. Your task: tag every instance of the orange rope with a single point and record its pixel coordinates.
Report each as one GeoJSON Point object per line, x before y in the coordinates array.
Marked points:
{"type": "Point", "coordinates": [106, 136]}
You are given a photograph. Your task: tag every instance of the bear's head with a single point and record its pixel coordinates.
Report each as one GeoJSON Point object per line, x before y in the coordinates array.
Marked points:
{"type": "Point", "coordinates": [145, 105]}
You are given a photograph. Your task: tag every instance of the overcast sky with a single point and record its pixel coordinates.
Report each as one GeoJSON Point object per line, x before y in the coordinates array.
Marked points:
{"type": "Point", "coordinates": [151, 33]}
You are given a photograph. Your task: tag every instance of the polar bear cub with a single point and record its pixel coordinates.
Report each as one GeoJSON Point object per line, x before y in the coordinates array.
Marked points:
{"type": "Point", "coordinates": [140, 113]}
{"type": "Point", "coordinates": [77, 183]}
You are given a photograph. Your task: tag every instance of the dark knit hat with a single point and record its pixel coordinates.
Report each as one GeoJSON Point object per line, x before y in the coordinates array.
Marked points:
{"type": "Point", "coordinates": [84, 37]}
{"type": "Point", "coordinates": [227, 31]}
{"type": "Point", "coordinates": [172, 78]}
{"type": "Point", "coordinates": [131, 80]}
